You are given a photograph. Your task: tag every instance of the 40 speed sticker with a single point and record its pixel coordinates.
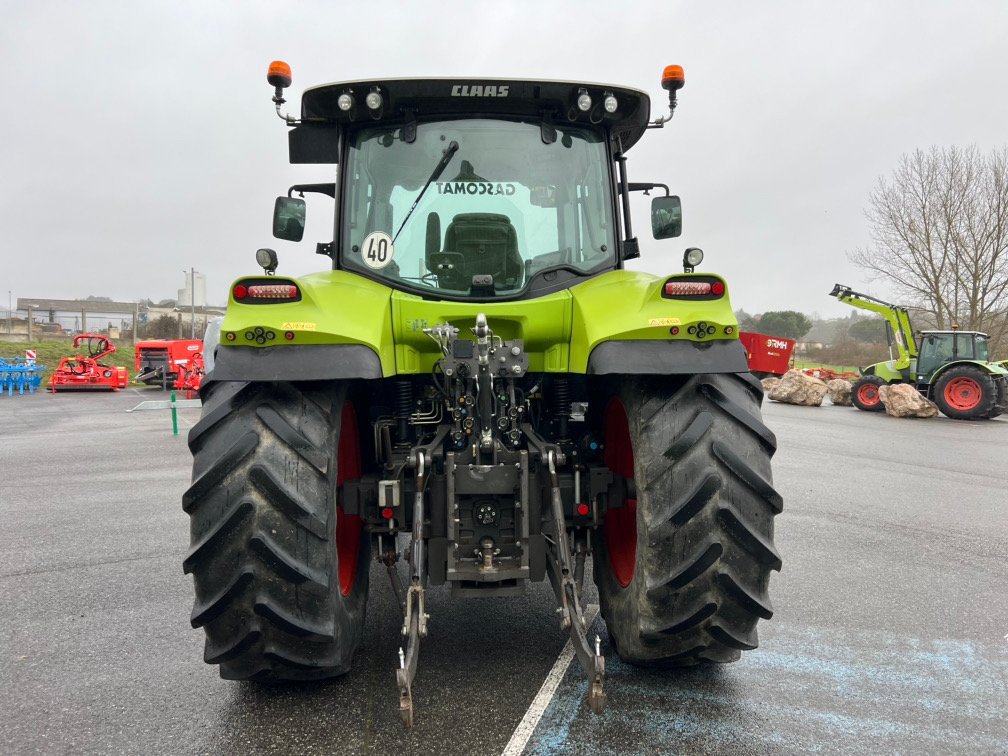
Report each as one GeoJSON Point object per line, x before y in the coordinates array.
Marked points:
{"type": "Point", "coordinates": [376, 251]}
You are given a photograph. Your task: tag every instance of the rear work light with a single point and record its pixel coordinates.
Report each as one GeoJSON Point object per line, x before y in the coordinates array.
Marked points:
{"type": "Point", "coordinates": [694, 288]}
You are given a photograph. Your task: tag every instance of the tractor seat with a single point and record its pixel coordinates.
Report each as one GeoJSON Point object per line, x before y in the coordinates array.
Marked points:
{"type": "Point", "coordinates": [478, 244]}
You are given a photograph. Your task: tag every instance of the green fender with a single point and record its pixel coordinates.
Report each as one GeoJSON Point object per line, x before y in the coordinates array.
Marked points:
{"type": "Point", "coordinates": [341, 328]}
{"type": "Point", "coordinates": [993, 368]}
{"type": "Point", "coordinates": [627, 306]}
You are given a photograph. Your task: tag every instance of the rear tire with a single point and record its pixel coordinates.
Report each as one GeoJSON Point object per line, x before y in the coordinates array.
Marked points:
{"type": "Point", "coordinates": [683, 569]}
{"type": "Point", "coordinates": [1001, 406]}
{"type": "Point", "coordinates": [966, 392]}
{"type": "Point", "coordinates": [865, 394]}
{"type": "Point", "coordinates": [281, 574]}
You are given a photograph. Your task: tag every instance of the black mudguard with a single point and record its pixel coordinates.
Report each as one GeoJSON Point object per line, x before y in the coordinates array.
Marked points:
{"type": "Point", "coordinates": [294, 363]}
{"type": "Point", "coordinates": [667, 358]}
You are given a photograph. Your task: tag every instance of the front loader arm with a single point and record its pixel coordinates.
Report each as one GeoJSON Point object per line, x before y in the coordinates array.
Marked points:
{"type": "Point", "coordinates": [897, 317]}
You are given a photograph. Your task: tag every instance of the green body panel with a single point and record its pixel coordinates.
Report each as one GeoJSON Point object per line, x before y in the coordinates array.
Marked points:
{"type": "Point", "coordinates": [625, 305]}
{"type": "Point", "coordinates": [559, 330]}
{"type": "Point", "coordinates": [889, 372]}
{"type": "Point", "coordinates": [544, 324]}
{"type": "Point", "coordinates": [336, 307]}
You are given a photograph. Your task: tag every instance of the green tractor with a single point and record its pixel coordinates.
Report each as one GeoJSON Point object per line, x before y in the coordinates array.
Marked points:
{"type": "Point", "coordinates": [951, 368]}
{"type": "Point", "coordinates": [479, 379]}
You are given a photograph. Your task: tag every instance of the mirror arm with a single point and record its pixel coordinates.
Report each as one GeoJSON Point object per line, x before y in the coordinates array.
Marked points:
{"type": "Point", "coordinates": [328, 189]}
{"type": "Point", "coordinates": [647, 187]}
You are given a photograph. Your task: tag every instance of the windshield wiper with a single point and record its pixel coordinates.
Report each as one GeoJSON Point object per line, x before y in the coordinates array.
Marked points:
{"type": "Point", "coordinates": [435, 175]}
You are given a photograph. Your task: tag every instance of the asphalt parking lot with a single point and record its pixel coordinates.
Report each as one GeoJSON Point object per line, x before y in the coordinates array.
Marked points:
{"type": "Point", "coordinates": [889, 633]}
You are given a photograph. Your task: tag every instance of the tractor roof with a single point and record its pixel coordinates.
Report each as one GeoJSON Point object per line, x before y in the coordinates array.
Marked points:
{"type": "Point", "coordinates": [454, 97]}
{"type": "Point", "coordinates": [960, 332]}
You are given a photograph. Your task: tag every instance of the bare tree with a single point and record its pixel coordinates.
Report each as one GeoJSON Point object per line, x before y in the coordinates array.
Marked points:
{"type": "Point", "coordinates": [939, 229]}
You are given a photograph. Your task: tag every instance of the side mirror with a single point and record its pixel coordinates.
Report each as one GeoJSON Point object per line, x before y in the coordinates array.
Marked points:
{"type": "Point", "coordinates": [289, 218]}
{"type": "Point", "coordinates": [543, 196]}
{"type": "Point", "coordinates": [666, 217]}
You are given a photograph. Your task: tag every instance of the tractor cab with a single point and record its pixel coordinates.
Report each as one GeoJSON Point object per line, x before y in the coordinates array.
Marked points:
{"type": "Point", "coordinates": [939, 348]}
{"type": "Point", "coordinates": [476, 190]}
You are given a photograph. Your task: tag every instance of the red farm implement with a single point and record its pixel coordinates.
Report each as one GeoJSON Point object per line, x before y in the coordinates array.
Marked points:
{"type": "Point", "coordinates": [175, 364]}
{"type": "Point", "coordinates": [86, 372]}
{"type": "Point", "coordinates": [767, 355]}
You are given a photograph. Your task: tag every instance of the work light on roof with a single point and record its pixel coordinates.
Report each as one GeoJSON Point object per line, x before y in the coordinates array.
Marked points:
{"type": "Point", "coordinates": [373, 99]}
{"type": "Point", "coordinates": [584, 100]}
{"type": "Point", "coordinates": [692, 257]}
{"type": "Point", "coordinates": [609, 102]}
{"type": "Point", "coordinates": [345, 101]}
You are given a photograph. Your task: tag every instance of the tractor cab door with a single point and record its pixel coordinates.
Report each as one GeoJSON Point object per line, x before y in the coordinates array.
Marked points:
{"type": "Point", "coordinates": [936, 349]}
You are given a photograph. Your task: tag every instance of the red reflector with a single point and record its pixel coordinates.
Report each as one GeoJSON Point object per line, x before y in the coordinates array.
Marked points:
{"type": "Point", "coordinates": [240, 292]}
{"type": "Point", "coordinates": [272, 291]}
{"type": "Point", "coordinates": [717, 288]}
{"type": "Point", "coordinates": [583, 509]}
{"type": "Point", "coordinates": [687, 288]}
{"type": "Point", "coordinates": [387, 513]}
{"type": "Point", "coordinates": [289, 335]}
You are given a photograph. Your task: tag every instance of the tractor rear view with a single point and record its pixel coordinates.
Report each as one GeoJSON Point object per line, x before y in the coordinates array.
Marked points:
{"type": "Point", "coordinates": [952, 368]}
{"type": "Point", "coordinates": [480, 387]}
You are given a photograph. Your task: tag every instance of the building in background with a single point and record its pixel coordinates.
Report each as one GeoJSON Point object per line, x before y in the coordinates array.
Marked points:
{"type": "Point", "coordinates": [198, 282]}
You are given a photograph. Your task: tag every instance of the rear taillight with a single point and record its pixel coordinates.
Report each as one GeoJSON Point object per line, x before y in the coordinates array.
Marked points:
{"type": "Point", "coordinates": [250, 291]}
{"type": "Point", "coordinates": [273, 291]}
{"type": "Point", "coordinates": [696, 287]}
{"type": "Point", "coordinates": [686, 288]}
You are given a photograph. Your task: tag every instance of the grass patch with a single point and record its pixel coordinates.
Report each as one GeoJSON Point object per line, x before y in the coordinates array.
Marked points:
{"type": "Point", "coordinates": [51, 352]}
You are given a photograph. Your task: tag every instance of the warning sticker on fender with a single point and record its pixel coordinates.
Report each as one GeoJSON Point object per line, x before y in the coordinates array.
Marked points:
{"type": "Point", "coordinates": [664, 322]}
{"type": "Point", "coordinates": [298, 326]}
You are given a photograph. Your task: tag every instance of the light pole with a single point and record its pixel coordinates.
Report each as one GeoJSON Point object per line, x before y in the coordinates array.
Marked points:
{"type": "Point", "coordinates": [9, 331]}
{"type": "Point", "coordinates": [192, 302]}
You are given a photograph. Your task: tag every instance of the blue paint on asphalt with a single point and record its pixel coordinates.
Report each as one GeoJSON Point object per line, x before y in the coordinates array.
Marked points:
{"type": "Point", "coordinates": [833, 689]}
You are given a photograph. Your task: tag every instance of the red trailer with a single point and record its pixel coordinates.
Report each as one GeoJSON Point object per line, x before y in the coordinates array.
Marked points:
{"type": "Point", "coordinates": [85, 371]}
{"type": "Point", "coordinates": [176, 364]}
{"type": "Point", "coordinates": [767, 355]}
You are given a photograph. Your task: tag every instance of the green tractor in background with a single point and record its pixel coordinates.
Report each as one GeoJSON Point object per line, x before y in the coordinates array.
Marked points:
{"type": "Point", "coordinates": [477, 375]}
{"type": "Point", "coordinates": [951, 368]}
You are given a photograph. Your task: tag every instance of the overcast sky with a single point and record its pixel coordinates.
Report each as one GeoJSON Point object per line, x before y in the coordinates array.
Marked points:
{"type": "Point", "coordinates": [139, 139]}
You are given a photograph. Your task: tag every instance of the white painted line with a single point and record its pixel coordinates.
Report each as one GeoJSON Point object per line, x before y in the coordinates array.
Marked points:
{"type": "Point", "coordinates": [520, 737]}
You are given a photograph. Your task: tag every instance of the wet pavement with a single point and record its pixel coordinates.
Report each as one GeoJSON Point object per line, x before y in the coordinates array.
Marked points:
{"type": "Point", "coordinates": [889, 632]}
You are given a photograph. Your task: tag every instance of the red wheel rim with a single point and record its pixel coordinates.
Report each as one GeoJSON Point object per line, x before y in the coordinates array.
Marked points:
{"type": "Point", "coordinates": [348, 527]}
{"type": "Point", "coordinates": [867, 394]}
{"type": "Point", "coordinates": [620, 526]}
{"type": "Point", "coordinates": [963, 394]}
